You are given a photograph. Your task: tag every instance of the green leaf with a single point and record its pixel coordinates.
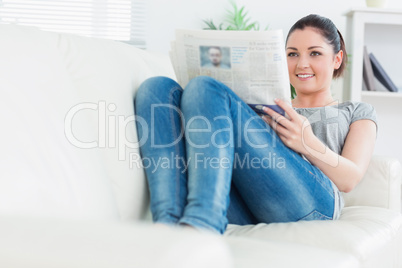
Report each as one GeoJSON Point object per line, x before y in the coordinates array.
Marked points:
{"type": "Point", "coordinates": [235, 19]}
{"type": "Point", "coordinates": [292, 92]}
{"type": "Point", "coordinates": [210, 24]}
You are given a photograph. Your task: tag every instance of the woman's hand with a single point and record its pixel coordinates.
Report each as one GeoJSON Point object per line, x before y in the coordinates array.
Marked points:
{"type": "Point", "coordinates": [345, 170]}
{"type": "Point", "coordinates": [294, 131]}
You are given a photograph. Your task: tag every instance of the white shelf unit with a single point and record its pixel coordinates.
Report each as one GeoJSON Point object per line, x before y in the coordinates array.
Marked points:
{"type": "Point", "coordinates": [381, 31]}
{"type": "Point", "coordinates": [380, 94]}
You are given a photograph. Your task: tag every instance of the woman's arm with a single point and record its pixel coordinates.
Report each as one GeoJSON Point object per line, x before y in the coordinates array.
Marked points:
{"type": "Point", "coordinates": [345, 170]}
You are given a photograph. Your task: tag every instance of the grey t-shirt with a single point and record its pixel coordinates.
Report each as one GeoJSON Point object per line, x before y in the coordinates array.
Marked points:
{"type": "Point", "coordinates": [331, 125]}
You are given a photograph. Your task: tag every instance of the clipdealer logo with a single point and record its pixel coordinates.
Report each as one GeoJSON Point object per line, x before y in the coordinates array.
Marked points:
{"type": "Point", "coordinates": [111, 128]}
{"type": "Point", "coordinates": [120, 132]}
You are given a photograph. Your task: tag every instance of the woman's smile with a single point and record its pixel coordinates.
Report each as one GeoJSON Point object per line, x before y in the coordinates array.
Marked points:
{"type": "Point", "coordinates": [304, 76]}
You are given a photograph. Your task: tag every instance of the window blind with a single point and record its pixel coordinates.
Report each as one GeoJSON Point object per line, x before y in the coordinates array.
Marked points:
{"type": "Point", "coordinates": [122, 20]}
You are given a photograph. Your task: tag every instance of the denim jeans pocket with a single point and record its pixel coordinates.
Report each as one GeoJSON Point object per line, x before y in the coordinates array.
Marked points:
{"type": "Point", "coordinates": [315, 216]}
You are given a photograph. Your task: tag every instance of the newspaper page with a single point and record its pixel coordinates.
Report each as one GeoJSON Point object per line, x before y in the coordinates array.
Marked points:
{"type": "Point", "coordinates": [253, 64]}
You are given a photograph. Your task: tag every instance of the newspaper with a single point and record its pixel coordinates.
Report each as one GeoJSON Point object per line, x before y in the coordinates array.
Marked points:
{"type": "Point", "coordinates": [253, 64]}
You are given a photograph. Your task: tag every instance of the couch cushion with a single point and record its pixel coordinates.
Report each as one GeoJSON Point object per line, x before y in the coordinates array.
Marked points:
{"type": "Point", "coordinates": [256, 253]}
{"type": "Point", "coordinates": [41, 172]}
{"type": "Point", "coordinates": [71, 142]}
{"type": "Point", "coordinates": [107, 74]}
{"type": "Point", "coordinates": [361, 231]}
{"type": "Point", "coordinates": [380, 186]}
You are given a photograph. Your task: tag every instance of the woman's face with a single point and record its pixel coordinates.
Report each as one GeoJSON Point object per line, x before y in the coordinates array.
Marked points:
{"type": "Point", "coordinates": [311, 61]}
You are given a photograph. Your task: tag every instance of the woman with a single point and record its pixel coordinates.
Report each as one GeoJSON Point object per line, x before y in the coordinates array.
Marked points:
{"type": "Point", "coordinates": [211, 160]}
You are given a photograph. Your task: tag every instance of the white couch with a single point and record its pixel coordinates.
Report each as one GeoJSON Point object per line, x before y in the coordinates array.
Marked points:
{"type": "Point", "coordinates": [72, 192]}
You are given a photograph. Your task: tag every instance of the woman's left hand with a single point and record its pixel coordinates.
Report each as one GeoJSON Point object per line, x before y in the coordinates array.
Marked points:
{"type": "Point", "coordinates": [294, 130]}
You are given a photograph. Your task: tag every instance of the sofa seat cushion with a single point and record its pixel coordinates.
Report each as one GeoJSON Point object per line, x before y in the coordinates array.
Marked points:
{"type": "Point", "coordinates": [360, 231]}
{"type": "Point", "coordinates": [248, 252]}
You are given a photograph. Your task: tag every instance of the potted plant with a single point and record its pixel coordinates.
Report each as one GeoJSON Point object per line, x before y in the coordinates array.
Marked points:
{"type": "Point", "coordinates": [236, 19]}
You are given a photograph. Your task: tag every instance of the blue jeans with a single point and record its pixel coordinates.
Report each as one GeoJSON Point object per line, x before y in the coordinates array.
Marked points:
{"type": "Point", "coordinates": [211, 160]}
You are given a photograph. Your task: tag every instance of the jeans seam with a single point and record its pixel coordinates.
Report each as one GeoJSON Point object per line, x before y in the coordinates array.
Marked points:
{"type": "Point", "coordinates": [322, 216]}
{"type": "Point", "coordinates": [319, 180]}
{"type": "Point", "coordinates": [176, 149]}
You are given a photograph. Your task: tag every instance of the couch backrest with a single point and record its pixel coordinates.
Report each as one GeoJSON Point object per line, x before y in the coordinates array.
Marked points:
{"type": "Point", "coordinates": [68, 141]}
{"type": "Point", "coordinates": [380, 186]}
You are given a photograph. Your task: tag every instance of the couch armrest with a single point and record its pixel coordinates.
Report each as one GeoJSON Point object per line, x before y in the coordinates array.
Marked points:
{"type": "Point", "coordinates": [380, 186]}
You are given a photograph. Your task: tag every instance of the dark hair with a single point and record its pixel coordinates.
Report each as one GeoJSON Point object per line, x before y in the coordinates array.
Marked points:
{"type": "Point", "coordinates": [328, 30]}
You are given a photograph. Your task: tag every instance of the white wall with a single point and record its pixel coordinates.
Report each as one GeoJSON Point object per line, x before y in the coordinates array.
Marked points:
{"type": "Point", "coordinates": [166, 16]}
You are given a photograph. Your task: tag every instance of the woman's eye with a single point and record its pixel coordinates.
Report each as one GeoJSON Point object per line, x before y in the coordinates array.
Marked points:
{"type": "Point", "coordinates": [292, 54]}
{"type": "Point", "coordinates": [315, 53]}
